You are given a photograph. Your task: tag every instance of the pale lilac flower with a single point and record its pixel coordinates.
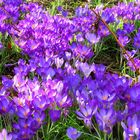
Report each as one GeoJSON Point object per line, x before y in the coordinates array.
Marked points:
{"type": "Point", "coordinates": [5, 136]}
{"type": "Point", "coordinates": [72, 133]}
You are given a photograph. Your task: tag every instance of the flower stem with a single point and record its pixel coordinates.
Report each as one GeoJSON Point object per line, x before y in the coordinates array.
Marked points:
{"type": "Point", "coordinates": [114, 35]}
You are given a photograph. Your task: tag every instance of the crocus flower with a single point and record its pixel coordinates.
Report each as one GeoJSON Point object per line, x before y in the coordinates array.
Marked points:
{"type": "Point", "coordinates": [124, 40]}
{"type": "Point", "coordinates": [54, 115]}
{"type": "Point", "coordinates": [132, 129]}
{"type": "Point", "coordinates": [103, 30]}
{"type": "Point", "coordinates": [72, 133]}
{"type": "Point", "coordinates": [4, 105]}
{"type": "Point", "coordinates": [86, 68]}
{"type": "Point", "coordinates": [92, 38]}
{"type": "Point", "coordinates": [7, 83]}
{"type": "Point", "coordinates": [135, 93]}
{"type": "Point", "coordinates": [87, 111]}
{"type": "Point", "coordinates": [39, 117]}
{"type": "Point", "coordinates": [79, 37]}
{"type": "Point", "coordinates": [59, 8]}
{"type": "Point", "coordinates": [99, 71]}
{"type": "Point", "coordinates": [106, 118]}
{"type": "Point", "coordinates": [64, 13]}
{"type": "Point", "coordinates": [63, 100]}
{"type": "Point", "coordinates": [137, 40]}
{"type": "Point", "coordinates": [23, 111]}
{"type": "Point", "coordinates": [5, 136]}
{"type": "Point", "coordinates": [128, 28]}
{"type": "Point", "coordinates": [104, 96]}
{"type": "Point", "coordinates": [41, 103]}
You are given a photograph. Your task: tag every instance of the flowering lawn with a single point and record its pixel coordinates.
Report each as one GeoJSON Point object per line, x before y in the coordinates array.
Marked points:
{"type": "Point", "coordinates": [68, 75]}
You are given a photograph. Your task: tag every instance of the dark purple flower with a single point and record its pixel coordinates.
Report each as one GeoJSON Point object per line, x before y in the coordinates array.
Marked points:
{"type": "Point", "coordinates": [4, 105]}
{"type": "Point", "coordinates": [128, 28]}
{"type": "Point", "coordinates": [108, 16]}
{"type": "Point", "coordinates": [121, 32]}
{"type": "Point", "coordinates": [72, 133]}
{"type": "Point", "coordinates": [124, 40]}
{"type": "Point", "coordinates": [23, 111]}
{"type": "Point", "coordinates": [73, 81]}
{"type": "Point", "coordinates": [135, 93]}
{"type": "Point", "coordinates": [137, 40]}
{"type": "Point", "coordinates": [39, 117]}
{"type": "Point", "coordinates": [24, 134]}
{"type": "Point", "coordinates": [64, 13]}
{"type": "Point", "coordinates": [99, 71]}
{"type": "Point", "coordinates": [23, 123]}
{"type": "Point", "coordinates": [55, 115]}
{"type": "Point", "coordinates": [7, 83]}
{"type": "Point", "coordinates": [103, 30]}
{"type": "Point", "coordinates": [59, 8]}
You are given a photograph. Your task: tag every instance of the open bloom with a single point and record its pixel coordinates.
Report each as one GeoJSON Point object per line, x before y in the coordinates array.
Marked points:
{"type": "Point", "coordinates": [106, 118]}
{"type": "Point", "coordinates": [72, 133]}
{"type": "Point", "coordinates": [87, 111]}
{"type": "Point", "coordinates": [92, 38]}
{"type": "Point", "coordinates": [131, 130]}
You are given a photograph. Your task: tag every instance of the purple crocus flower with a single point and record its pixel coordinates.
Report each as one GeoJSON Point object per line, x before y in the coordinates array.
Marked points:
{"type": "Point", "coordinates": [5, 136]}
{"type": "Point", "coordinates": [86, 68]}
{"type": "Point", "coordinates": [99, 71]}
{"type": "Point", "coordinates": [7, 83]}
{"type": "Point", "coordinates": [87, 111]}
{"type": "Point", "coordinates": [128, 28]}
{"type": "Point", "coordinates": [40, 103]}
{"type": "Point", "coordinates": [72, 133]}
{"type": "Point", "coordinates": [124, 40]}
{"type": "Point", "coordinates": [23, 111]}
{"type": "Point", "coordinates": [64, 13]}
{"type": "Point", "coordinates": [104, 96]}
{"type": "Point", "coordinates": [59, 8]}
{"type": "Point", "coordinates": [92, 38]}
{"type": "Point", "coordinates": [137, 40]}
{"type": "Point", "coordinates": [106, 118]}
{"type": "Point", "coordinates": [63, 101]}
{"type": "Point", "coordinates": [79, 37]}
{"type": "Point", "coordinates": [39, 117]}
{"type": "Point", "coordinates": [55, 115]}
{"type": "Point", "coordinates": [23, 123]}
{"type": "Point", "coordinates": [24, 134]}
{"type": "Point", "coordinates": [132, 129]}
{"type": "Point", "coordinates": [83, 52]}
{"type": "Point", "coordinates": [103, 30]}
{"type": "Point", "coordinates": [4, 105]}
{"type": "Point", "coordinates": [135, 93]}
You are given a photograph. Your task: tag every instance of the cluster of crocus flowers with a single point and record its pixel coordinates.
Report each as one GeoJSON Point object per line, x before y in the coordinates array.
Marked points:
{"type": "Point", "coordinates": [58, 74]}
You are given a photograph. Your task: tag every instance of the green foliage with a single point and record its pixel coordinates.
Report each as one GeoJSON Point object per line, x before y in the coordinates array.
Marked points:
{"type": "Point", "coordinates": [9, 54]}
